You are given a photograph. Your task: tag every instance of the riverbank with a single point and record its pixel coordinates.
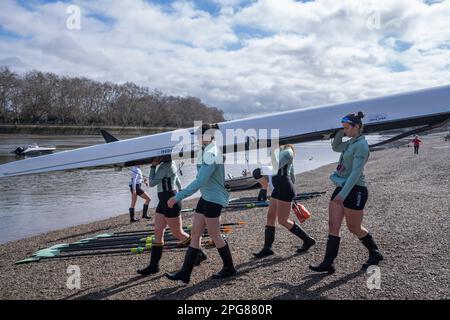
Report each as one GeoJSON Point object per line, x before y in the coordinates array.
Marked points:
{"type": "Point", "coordinates": [407, 213]}
{"type": "Point", "coordinates": [78, 130]}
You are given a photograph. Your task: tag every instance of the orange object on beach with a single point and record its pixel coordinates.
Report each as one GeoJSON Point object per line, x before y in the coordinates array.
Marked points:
{"type": "Point", "coordinates": [300, 211]}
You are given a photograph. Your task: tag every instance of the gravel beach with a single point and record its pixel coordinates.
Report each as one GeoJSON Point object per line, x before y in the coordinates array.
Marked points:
{"type": "Point", "coordinates": [407, 213]}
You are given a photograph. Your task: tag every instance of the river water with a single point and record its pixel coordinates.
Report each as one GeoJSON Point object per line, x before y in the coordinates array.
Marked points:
{"type": "Point", "coordinates": [34, 204]}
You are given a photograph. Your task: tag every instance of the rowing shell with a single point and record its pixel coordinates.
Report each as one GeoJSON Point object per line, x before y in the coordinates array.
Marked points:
{"type": "Point", "coordinates": [428, 107]}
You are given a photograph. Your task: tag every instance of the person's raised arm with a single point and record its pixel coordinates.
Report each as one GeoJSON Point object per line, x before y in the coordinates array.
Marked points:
{"type": "Point", "coordinates": [156, 176]}
{"type": "Point", "coordinates": [337, 144]}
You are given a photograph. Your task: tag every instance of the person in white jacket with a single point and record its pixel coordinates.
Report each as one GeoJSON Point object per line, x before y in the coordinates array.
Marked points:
{"type": "Point", "coordinates": [136, 190]}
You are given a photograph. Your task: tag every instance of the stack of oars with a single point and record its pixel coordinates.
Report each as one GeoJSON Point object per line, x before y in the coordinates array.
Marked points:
{"type": "Point", "coordinates": [136, 241]}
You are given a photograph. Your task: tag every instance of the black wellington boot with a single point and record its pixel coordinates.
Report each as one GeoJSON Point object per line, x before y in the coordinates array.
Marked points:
{"type": "Point", "coordinates": [144, 212]}
{"type": "Point", "coordinates": [331, 253]}
{"type": "Point", "coordinates": [201, 254]}
{"type": "Point", "coordinates": [185, 273]}
{"type": "Point", "coordinates": [200, 257]}
{"type": "Point", "coordinates": [228, 269]}
{"type": "Point", "coordinates": [308, 242]}
{"type": "Point", "coordinates": [374, 253]}
{"type": "Point", "coordinates": [132, 219]}
{"type": "Point", "coordinates": [269, 238]}
{"type": "Point", "coordinates": [262, 196]}
{"type": "Point", "coordinates": [153, 267]}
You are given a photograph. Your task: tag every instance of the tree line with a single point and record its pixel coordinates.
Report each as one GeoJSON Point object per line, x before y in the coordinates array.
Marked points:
{"type": "Point", "coordinates": [48, 99]}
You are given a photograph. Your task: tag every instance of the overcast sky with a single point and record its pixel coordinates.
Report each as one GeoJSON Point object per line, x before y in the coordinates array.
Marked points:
{"type": "Point", "coordinates": [245, 57]}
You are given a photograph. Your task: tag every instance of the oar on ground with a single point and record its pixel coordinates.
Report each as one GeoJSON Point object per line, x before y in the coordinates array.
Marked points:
{"type": "Point", "coordinates": [52, 254]}
{"type": "Point", "coordinates": [111, 242]}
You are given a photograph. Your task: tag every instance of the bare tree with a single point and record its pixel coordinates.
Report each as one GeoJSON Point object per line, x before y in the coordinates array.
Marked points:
{"type": "Point", "coordinates": [9, 84]}
{"type": "Point", "coordinates": [47, 98]}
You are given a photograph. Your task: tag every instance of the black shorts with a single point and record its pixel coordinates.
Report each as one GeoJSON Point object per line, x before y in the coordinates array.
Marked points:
{"type": "Point", "coordinates": [139, 190]}
{"type": "Point", "coordinates": [208, 209]}
{"type": "Point", "coordinates": [162, 207]}
{"type": "Point", "coordinates": [356, 199]}
{"type": "Point", "coordinates": [283, 188]}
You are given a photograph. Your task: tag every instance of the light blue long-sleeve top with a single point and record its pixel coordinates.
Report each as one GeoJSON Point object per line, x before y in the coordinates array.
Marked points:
{"type": "Point", "coordinates": [210, 179]}
{"type": "Point", "coordinates": [284, 158]}
{"type": "Point", "coordinates": [350, 172]}
{"type": "Point", "coordinates": [166, 170]}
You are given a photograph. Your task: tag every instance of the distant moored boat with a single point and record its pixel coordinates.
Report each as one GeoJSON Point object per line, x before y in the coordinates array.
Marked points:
{"type": "Point", "coordinates": [33, 149]}
{"type": "Point", "coordinates": [244, 182]}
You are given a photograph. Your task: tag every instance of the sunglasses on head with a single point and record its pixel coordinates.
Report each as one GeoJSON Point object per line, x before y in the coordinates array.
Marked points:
{"type": "Point", "coordinates": [347, 120]}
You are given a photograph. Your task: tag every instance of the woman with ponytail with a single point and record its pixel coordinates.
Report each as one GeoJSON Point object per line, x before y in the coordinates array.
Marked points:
{"type": "Point", "coordinates": [281, 202]}
{"type": "Point", "coordinates": [163, 175]}
{"type": "Point", "coordinates": [210, 180]}
{"type": "Point", "coordinates": [350, 196]}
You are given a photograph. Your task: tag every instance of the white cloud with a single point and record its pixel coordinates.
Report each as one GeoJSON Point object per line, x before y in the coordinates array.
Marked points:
{"type": "Point", "coordinates": [252, 57]}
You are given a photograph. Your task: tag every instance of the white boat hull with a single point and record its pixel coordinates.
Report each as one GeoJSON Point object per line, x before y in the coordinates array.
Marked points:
{"type": "Point", "coordinates": [37, 151]}
{"type": "Point", "coordinates": [417, 108]}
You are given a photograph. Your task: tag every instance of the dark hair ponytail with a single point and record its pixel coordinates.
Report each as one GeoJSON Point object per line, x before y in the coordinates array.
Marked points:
{"type": "Point", "coordinates": [206, 127]}
{"type": "Point", "coordinates": [354, 119]}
